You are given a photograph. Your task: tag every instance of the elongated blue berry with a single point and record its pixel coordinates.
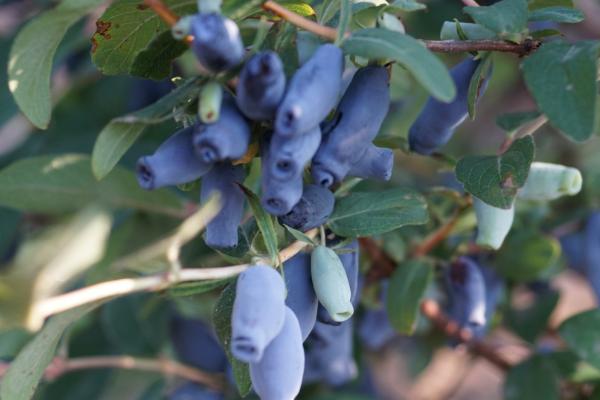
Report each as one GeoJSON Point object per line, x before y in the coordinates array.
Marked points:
{"type": "Point", "coordinates": [301, 297]}
{"type": "Point", "coordinates": [226, 139]}
{"type": "Point", "coordinates": [573, 247]}
{"type": "Point", "coordinates": [278, 374]}
{"type": "Point", "coordinates": [313, 209]}
{"type": "Point", "coordinates": [494, 287]}
{"type": "Point", "coordinates": [466, 292]}
{"type": "Point", "coordinates": [358, 120]}
{"type": "Point", "coordinates": [375, 330]}
{"type": "Point", "coordinates": [376, 163]}
{"type": "Point", "coordinates": [258, 312]}
{"type": "Point", "coordinates": [331, 283]}
{"type": "Point", "coordinates": [261, 86]}
{"type": "Point", "coordinates": [222, 230]}
{"type": "Point", "coordinates": [329, 356]}
{"type": "Point", "coordinates": [349, 257]}
{"type": "Point", "coordinates": [592, 252]}
{"type": "Point", "coordinates": [193, 391]}
{"type": "Point", "coordinates": [289, 155]}
{"type": "Point", "coordinates": [550, 181]}
{"type": "Point", "coordinates": [278, 196]}
{"type": "Point", "coordinates": [436, 123]}
{"type": "Point", "coordinates": [312, 93]}
{"type": "Point", "coordinates": [217, 41]}
{"type": "Point", "coordinates": [173, 163]}
{"type": "Point", "coordinates": [493, 224]}
{"type": "Point", "coordinates": [196, 344]}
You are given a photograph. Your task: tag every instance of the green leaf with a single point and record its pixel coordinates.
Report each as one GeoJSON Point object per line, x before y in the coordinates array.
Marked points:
{"type": "Point", "coordinates": [508, 18]}
{"type": "Point", "coordinates": [562, 79]}
{"type": "Point", "coordinates": [126, 29]}
{"type": "Point", "coordinates": [532, 321]}
{"type": "Point", "coordinates": [537, 4]}
{"type": "Point", "coordinates": [32, 55]}
{"type": "Point", "coordinates": [300, 236]}
{"type": "Point", "coordinates": [428, 70]}
{"type": "Point", "coordinates": [154, 62]}
{"type": "Point", "coordinates": [122, 132]}
{"type": "Point", "coordinates": [496, 179]}
{"type": "Point", "coordinates": [344, 20]}
{"type": "Point", "coordinates": [561, 15]}
{"type": "Point", "coordinates": [482, 72]}
{"type": "Point", "coordinates": [45, 264]}
{"type": "Point", "coordinates": [583, 336]}
{"type": "Point", "coordinates": [59, 184]}
{"type": "Point", "coordinates": [511, 121]}
{"type": "Point", "coordinates": [451, 30]}
{"type": "Point", "coordinates": [240, 9]}
{"type": "Point", "coordinates": [372, 213]}
{"type": "Point", "coordinates": [534, 379]}
{"type": "Point", "coordinates": [405, 5]}
{"type": "Point", "coordinates": [23, 376]}
{"type": "Point", "coordinates": [222, 324]}
{"type": "Point", "coordinates": [265, 224]}
{"type": "Point", "coordinates": [405, 291]}
{"type": "Point", "coordinates": [526, 255]}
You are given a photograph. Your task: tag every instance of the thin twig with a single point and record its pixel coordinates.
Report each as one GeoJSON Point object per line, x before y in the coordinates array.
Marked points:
{"type": "Point", "coordinates": [60, 367]}
{"type": "Point", "coordinates": [432, 310]}
{"type": "Point", "coordinates": [301, 22]}
{"type": "Point", "coordinates": [153, 283]}
{"type": "Point", "coordinates": [382, 265]}
{"type": "Point", "coordinates": [437, 236]}
{"type": "Point", "coordinates": [464, 46]}
{"type": "Point", "coordinates": [164, 12]}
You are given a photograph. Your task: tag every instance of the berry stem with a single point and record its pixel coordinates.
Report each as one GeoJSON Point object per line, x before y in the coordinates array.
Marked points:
{"type": "Point", "coordinates": [470, 3]}
{"type": "Point", "coordinates": [61, 366]}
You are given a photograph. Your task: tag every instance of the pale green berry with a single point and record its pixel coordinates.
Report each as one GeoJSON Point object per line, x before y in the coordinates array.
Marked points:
{"type": "Point", "coordinates": [493, 224]}
{"type": "Point", "coordinates": [550, 181]}
{"type": "Point", "coordinates": [331, 283]}
{"type": "Point", "coordinates": [209, 106]}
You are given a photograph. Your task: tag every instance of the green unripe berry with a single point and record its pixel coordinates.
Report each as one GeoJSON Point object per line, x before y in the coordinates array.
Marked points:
{"type": "Point", "coordinates": [493, 224]}
{"type": "Point", "coordinates": [331, 283]}
{"type": "Point", "coordinates": [550, 181]}
{"type": "Point", "coordinates": [209, 107]}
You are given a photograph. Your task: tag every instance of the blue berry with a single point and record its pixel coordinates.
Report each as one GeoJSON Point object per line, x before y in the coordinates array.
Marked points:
{"type": "Point", "coordinates": [313, 209]}
{"type": "Point", "coordinates": [224, 178]}
{"type": "Point", "coordinates": [173, 163]}
{"type": "Point", "coordinates": [278, 374]}
{"type": "Point", "coordinates": [494, 287]}
{"type": "Point", "coordinates": [289, 155]}
{"type": "Point", "coordinates": [436, 123]}
{"type": "Point", "coordinates": [312, 92]}
{"type": "Point", "coordinates": [196, 344]}
{"type": "Point", "coordinates": [226, 139]}
{"type": "Point", "coordinates": [358, 120]}
{"type": "Point", "coordinates": [261, 86]}
{"type": "Point", "coordinates": [376, 163]}
{"type": "Point", "coordinates": [467, 293]}
{"type": "Point", "coordinates": [329, 356]}
{"type": "Point", "coordinates": [258, 312]}
{"type": "Point", "coordinates": [592, 252]}
{"type": "Point", "coordinates": [217, 41]}
{"type": "Point", "coordinates": [301, 297]}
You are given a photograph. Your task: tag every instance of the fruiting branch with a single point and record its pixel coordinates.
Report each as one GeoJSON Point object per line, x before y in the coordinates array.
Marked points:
{"type": "Point", "coordinates": [153, 283]}
{"type": "Point", "coordinates": [61, 366]}
{"type": "Point", "coordinates": [440, 46]}
{"type": "Point", "coordinates": [470, 3]}
{"type": "Point", "coordinates": [431, 310]}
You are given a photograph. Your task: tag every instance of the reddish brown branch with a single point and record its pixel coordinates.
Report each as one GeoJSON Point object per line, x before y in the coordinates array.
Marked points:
{"type": "Point", "coordinates": [431, 310]}
{"type": "Point", "coordinates": [464, 46]}
{"type": "Point", "coordinates": [470, 3]}
{"type": "Point", "coordinates": [165, 13]}
{"type": "Point", "coordinates": [436, 237]}
{"type": "Point", "coordinates": [382, 265]}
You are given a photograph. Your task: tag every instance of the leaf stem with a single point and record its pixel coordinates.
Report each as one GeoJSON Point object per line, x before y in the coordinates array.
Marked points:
{"type": "Point", "coordinates": [301, 22]}
{"type": "Point", "coordinates": [528, 129]}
